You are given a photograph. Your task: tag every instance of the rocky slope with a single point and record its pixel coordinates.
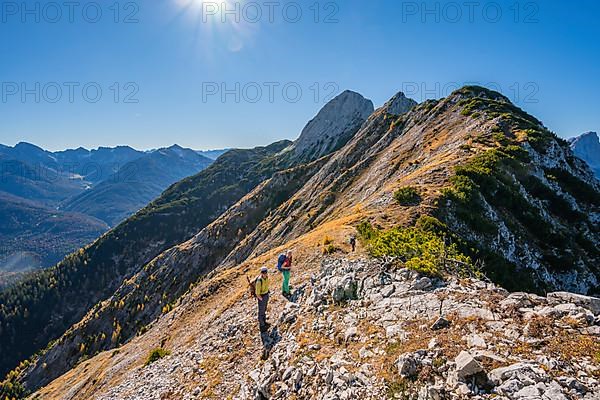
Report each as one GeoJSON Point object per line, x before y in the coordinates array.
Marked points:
{"type": "Point", "coordinates": [356, 328]}
{"type": "Point", "coordinates": [587, 147]}
{"type": "Point", "coordinates": [181, 212]}
{"type": "Point", "coordinates": [335, 124]}
{"type": "Point", "coordinates": [511, 190]}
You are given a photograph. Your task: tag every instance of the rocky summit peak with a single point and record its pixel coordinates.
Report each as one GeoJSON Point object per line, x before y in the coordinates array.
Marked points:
{"type": "Point", "coordinates": [399, 104]}
{"type": "Point", "coordinates": [587, 147]}
{"type": "Point", "coordinates": [479, 91]}
{"type": "Point", "coordinates": [588, 137]}
{"type": "Point", "coordinates": [334, 125]}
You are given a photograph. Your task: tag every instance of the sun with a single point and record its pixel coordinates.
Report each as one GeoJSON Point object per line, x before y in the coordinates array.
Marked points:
{"type": "Point", "coordinates": [222, 21]}
{"type": "Point", "coordinates": [212, 8]}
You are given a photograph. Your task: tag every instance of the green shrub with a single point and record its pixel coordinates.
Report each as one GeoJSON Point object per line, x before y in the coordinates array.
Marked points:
{"type": "Point", "coordinates": [330, 249]}
{"type": "Point", "coordinates": [484, 177]}
{"type": "Point", "coordinates": [397, 389]}
{"type": "Point", "coordinates": [580, 190]}
{"type": "Point", "coordinates": [430, 224]}
{"type": "Point", "coordinates": [407, 195]}
{"type": "Point", "coordinates": [156, 354]}
{"type": "Point", "coordinates": [418, 249]}
{"type": "Point", "coordinates": [11, 388]}
{"type": "Point", "coordinates": [539, 139]}
{"type": "Point", "coordinates": [366, 231]}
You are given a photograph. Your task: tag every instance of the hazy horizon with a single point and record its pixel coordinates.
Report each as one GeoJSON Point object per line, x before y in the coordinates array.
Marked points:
{"type": "Point", "coordinates": [112, 147]}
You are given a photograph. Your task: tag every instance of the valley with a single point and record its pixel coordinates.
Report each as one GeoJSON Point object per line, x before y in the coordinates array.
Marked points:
{"type": "Point", "coordinates": [54, 203]}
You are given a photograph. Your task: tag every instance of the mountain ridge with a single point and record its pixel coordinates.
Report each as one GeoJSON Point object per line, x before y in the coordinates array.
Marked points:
{"type": "Point", "coordinates": [315, 140]}
{"type": "Point", "coordinates": [587, 147]}
{"type": "Point", "coordinates": [473, 151]}
{"type": "Point", "coordinates": [181, 212]}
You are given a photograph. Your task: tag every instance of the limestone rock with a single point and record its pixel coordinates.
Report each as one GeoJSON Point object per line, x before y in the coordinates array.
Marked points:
{"type": "Point", "coordinates": [466, 365]}
{"type": "Point", "coordinates": [333, 126]}
{"type": "Point", "coordinates": [588, 302]}
{"type": "Point", "coordinates": [407, 365]}
{"type": "Point", "coordinates": [399, 104]}
{"type": "Point", "coordinates": [587, 147]}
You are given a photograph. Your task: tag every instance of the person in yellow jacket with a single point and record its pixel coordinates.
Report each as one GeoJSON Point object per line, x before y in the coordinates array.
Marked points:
{"type": "Point", "coordinates": [262, 295]}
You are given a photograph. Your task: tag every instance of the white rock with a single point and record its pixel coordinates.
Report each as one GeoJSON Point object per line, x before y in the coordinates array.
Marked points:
{"type": "Point", "coordinates": [521, 371]}
{"type": "Point", "coordinates": [387, 291]}
{"type": "Point", "coordinates": [423, 283]}
{"type": "Point", "coordinates": [399, 104]}
{"type": "Point", "coordinates": [350, 333]}
{"type": "Point", "coordinates": [364, 353]}
{"type": "Point", "coordinates": [590, 303]}
{"type": "Point", "coordinates": [393, 331]}
{"type": "Point", "coordinates": [528, 391]}
{"type": "Point", "coordinates": [475, 340]}
{"type": "Point", "coordinates": [287, 373]}
{"type": "Point", "coordinates": [466, 365]}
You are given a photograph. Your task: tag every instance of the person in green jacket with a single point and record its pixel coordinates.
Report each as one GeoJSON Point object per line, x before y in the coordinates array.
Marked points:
{"type": "Point", "coordinates": [261, 288]}
{"type": "Point", "coordinates": [285, 270]}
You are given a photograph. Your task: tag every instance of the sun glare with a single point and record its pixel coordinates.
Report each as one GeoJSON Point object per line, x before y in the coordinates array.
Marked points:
{"type": "Point", "coordinates": [223, 21]}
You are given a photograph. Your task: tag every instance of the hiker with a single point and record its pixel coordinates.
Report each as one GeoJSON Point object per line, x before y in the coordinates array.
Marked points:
{"type": "Point", "coordinates": [353, 243]}
{"type": "Point", "coordinates": [262, 295]}
{"type": "Point", "coordinates": [284, 264]}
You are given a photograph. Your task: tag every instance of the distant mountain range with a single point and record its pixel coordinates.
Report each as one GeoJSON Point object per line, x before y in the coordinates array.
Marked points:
{"type": "Point", "coordinates": [52, 203]}
{"type": "Point", "coordinates": [212, 154]}
{"type": "Point", "coordinates": [36, 174]}
{"type": "Point", "coordinates": [137, 183]}
{"type": "Point", "coordinates": [587, 147]}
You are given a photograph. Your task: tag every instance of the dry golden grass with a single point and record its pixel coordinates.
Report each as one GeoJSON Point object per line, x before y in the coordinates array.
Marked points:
{"type": "Point", "coordinates": [212, 377]}
{"type": "Point", "coordinates": [539, 327]}
{"type": "Point", "coordinates": [568, 347]}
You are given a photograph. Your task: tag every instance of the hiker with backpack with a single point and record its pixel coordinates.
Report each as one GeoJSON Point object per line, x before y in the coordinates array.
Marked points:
{"type": "Point", "coordinates": [353, 243]}
{"type": "Point", "coordinates": [284, 265]}
{"type": "Point", "coordinates": [261, 292]}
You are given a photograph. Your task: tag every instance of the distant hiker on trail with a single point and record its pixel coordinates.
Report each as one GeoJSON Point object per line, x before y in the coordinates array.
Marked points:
{"type": "Point", "coordinates": [261, 290]}
{"type": "Point", "coordinates": [353, 243]}
{"type": "Point", "coordinates": [284, 264]}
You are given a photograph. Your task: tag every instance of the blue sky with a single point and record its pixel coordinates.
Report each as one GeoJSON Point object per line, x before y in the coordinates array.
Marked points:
{"type": "Point", "coordinates": [162, 73]}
